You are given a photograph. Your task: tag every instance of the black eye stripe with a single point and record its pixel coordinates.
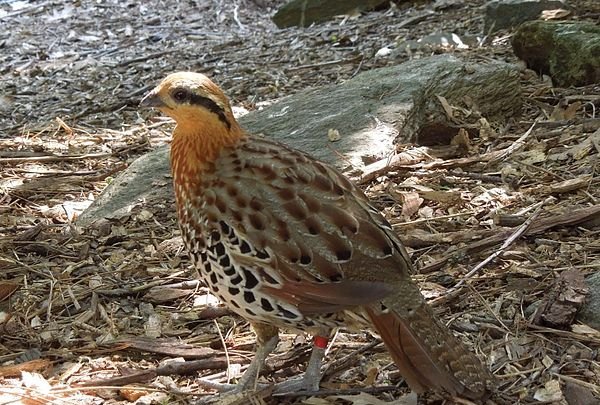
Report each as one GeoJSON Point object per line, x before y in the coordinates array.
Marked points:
{"type": "Point", "coordinates": [183, 95]}
{"type": "Point", "coordinates": [210, 106]}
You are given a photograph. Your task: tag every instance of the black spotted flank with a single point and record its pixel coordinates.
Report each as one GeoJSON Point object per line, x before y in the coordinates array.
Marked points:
{"type": "Point", "coordinates": [266, 304]}
{"type": "Point", "coordinates": [285, 313]}
{"type": "Point", "coordinates": [220, 249]}
{"type": "Point", "coordinates": [261, 254]}
{"type": "Point", "coordinates": [207, 267]}
{"type": "Point", "coordinates": [224, 227]}
{"type": "Point", "coordinates": [249, 297]}
{"type": "Point", "coordinates": [245, 247]}
{"type": "Point", "coordinates": [224, 262]}
{"type": "Point", "coordinates": [234, 291]}
{"type": "Point", "coordinates": [251, 280]}
{"type": "Point", "coordinates": [268, 278]}
{"type": "Point", "coordinates": [215, 236]}
{"type": "Point", "coordinates": [210, 105]}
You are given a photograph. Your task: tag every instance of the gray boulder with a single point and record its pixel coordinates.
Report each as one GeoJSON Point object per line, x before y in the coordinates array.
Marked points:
{"type": "Point", "coordinates": [502, 14]}
{"type": "Point", "coordinates": [303, 13]}
{"type": "Point", "coordinates": [369, 112]}
{"type": "Point", "coordinates": [567, 51]}
{"type": "Point", "coordinates": [590, 313]}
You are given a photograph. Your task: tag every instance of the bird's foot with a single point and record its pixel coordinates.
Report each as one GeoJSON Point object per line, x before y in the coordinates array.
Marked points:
{"type": "Point", "coordinates": [306, 382]}
{"type": "Point", "coordinates": [220, 387]}
{"type": "Point", "coordinates": [234, 394]}
{"type": "Point", "coordinates": [309, 381]}
{"type": "Point", "coordinates": [248, 382]}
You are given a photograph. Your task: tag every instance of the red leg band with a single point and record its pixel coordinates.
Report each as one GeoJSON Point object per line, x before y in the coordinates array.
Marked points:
{"type": "Point", "coordinates": [320, 342]}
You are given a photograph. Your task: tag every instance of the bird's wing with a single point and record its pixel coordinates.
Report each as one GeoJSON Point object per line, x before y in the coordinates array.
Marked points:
{"type": "Point", "coordinates": [313, 234]}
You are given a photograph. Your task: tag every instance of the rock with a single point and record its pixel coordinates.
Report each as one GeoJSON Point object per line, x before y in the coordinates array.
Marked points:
{"type": "Point", "coordinates": [501, 14]}
{"type": "Point", "coordinates": [146, 181]}
{"type": "Point", "coordinates": [567, 51]}
{"type": "Point", "coordinates": [590, 313]}
{"type": "Point", "coordinates": [366, 111]}
{"type": "Point", "coordinates": [473, 90]}
{"type": "Point", "coordinates": [303, 13]}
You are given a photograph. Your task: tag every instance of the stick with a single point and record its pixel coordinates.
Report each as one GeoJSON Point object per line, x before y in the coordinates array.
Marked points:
{"type": "Point", "coordinates": [516, 235]}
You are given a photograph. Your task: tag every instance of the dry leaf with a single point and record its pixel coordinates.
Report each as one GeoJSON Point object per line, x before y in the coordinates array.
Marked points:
{"type": "Point", "coordinates": [583, 329]}
{"type": "Point", "coordinates": [41, 365]}
{"type": "Point", "coordinates": [132, 395]}
{"type": "Point", "coordinates": [368, 399]}
{"type": "Point", "coordinates": [485, 129]}
{"type": "Point", "coordinates": [461, 139]}
{"type": "Point", "coordinates": [35, 381]}
{"type": "Point", "coordinates": [445, 197]}
{"type": "Point", "coordinates": [144, 215]}
{"type": "Point", "coordinates": [7, 288]}
{"type": "Point", "coordinates": [333, 135]}
{"type": "Point", "coordinates": [411, 203]}
{"type": "Point", "coordinates": [561, 112]}
{"type": "Point", "coordinates": [532, 156]}
{"type": "Point", "coordinates": [556, 14]}
{"type": "Point", "coordinates": [550, 393]}
{"type": "Point", "coordinates": [316, 401]}
{"type": "Point", "coordinates": [371, 376]}
{"type": "Point", "coordinates": [446, 106]}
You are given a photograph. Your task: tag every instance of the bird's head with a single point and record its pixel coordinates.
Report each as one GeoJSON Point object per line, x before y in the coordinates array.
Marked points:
{"type": "Point", "coordinates": [193, 101]}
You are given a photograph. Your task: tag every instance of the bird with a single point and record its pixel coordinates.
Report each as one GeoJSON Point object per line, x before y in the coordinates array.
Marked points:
{"type": "Point", "coordinates": [288, 242]}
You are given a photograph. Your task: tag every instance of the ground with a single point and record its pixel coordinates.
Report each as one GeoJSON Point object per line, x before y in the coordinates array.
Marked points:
{"type": "Point", "coordinates": [108, 305]}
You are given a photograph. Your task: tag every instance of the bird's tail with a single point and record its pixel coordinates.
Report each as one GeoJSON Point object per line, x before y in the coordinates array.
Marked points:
{"type": "Point", "coordinates": [427, 354]}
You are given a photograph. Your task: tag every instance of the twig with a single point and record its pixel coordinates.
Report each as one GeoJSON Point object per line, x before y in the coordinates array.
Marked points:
{"type": "Point", "coordinates": [590, 386]}
{"type": "Point", "coordinates": [236, 18]}
{"type": "Point", "coordinates": [67, 158]}
{"type": "Point", "coordinates": [433, 219]}
{"type": "Point", "coordinates": [516, 235]}
{"type": "Point", "coordinates": [225, 350]}
{"type": "Point", "coordinates": [350, 391]}
{"type": "Point", "coordinates": [362, 60]}
{"type": "Point", "coordinates": [55, 158]}
{"type": "Point", "coordinates": [515, 146]}
{"type": "Point", "coordinates": [569, 218]}
{"type": "Point", "coordinates": [336, 365]}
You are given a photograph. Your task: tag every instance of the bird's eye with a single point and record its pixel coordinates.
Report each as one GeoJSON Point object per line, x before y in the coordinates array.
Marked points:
{"type": "Point", "coordinates": [180, 95]}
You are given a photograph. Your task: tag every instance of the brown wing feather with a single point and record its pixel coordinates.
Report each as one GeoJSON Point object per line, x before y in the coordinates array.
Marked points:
{"type": "Point", "coordinates": [314, 224]}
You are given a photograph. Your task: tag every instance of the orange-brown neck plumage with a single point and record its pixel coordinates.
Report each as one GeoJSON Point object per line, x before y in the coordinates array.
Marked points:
{"type": "Point", "coordinates": [205, 123]}
{"type": "Point", "coordinates": [197, 141]}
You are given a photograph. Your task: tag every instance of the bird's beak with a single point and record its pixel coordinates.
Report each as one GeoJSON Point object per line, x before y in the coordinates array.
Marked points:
{"type": "Point", "coordinates": [152, 99]}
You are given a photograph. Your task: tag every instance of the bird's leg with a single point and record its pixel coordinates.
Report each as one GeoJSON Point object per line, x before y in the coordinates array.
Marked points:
{"type": "Point", "coordinates": [267, 337]}
{"type": "Point", "coordinates": [309, 381]}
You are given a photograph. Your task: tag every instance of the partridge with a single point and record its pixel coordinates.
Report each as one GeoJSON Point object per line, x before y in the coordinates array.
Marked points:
{"type": "Point", "coordinates": [286, 241]}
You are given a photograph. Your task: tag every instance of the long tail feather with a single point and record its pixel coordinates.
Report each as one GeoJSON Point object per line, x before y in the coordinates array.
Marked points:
{"type": "Point", "coordinates": [428, 356]}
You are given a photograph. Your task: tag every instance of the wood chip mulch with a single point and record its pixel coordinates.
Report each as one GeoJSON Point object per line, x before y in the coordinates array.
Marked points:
{"type": "Point", "coordinates": [503, 233]}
